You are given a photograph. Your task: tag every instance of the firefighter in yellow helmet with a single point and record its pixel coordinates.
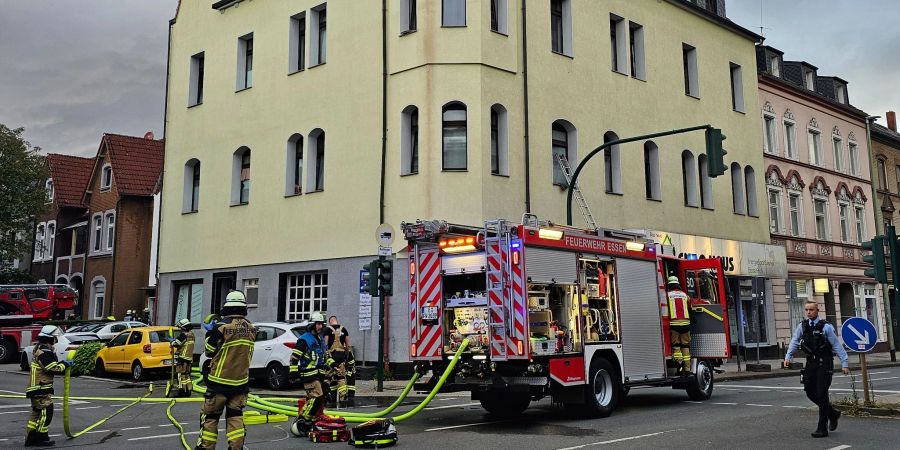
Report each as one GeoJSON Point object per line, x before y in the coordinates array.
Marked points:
{"type": "Point", "coordinates": [337, 341]}
{"type": "Point", "coordinates": [229, 345]}
{"type": "Point", "coordinates": [183, 345]}
{"type": "Point", "coordinates": [679, 323]}
{"type": "Point", "coordinates": [312, 361]}
{"type": "Point", "coordinates": [40, 386]}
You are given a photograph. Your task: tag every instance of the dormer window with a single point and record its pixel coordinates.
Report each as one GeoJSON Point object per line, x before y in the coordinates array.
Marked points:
{"type": "Point", "coordinates": [775, 65]}
{"type": "Point", "coordinates": [48, 186]}
{"type": "Point", "coordinates": [809, 80]}
{"type": "Point", "coordinates": [106, 178]}
{"type": "Point", "coordinates": [841, 93]}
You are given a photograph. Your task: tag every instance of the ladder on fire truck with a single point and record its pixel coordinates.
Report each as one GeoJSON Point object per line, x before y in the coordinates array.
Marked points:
{"type": "Point", "coordinates": [576, 191]}
{"type": "Point", "coordinates": [496, 247]}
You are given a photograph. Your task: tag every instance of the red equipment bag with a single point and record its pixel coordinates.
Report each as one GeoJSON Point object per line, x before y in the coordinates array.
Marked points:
{"type": "Point", "coordinates": [330, 431]}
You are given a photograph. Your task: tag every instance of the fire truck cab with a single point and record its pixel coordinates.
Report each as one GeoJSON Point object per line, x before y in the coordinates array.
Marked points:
{"type": "Point", "coordinates": [549, 310]}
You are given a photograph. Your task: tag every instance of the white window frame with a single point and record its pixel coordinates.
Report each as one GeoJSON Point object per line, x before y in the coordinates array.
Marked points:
{"type": "Point", "coordinates": [795, 307]}
{"type": "Point", "coordinates": [790, 142]}
{"type": "Point", "coordinates": [825, 219]}
{"type": "Point", "coordinates": [814, 137]}
{"type": "Point", "coordinates": [809, 80]}
{"type": "Point", "coordinates": [408, 16]}
{"type": "Point", "coordinates": [316, 139]}
{"type": "Point", "coordinates": [40, 238]}
{"type": "Point", "coordinates": [187, 198]}
{"type": "Point", "coordinates": [776, 224]}
{"type": "Point", "coordinates": [318, 51]}
{"type": "Point", "coordinates": [837, 150]}
{"type": "Point", "coordinates": [652, 187]}
{"type": "Point", "coordinates": [106, 177]}
{"type": "Point", "coordinates": [410, 139]}
{"type": "Point", "coordinates": [750, 190]}
{"type": "Point", "coordinates": [853, 150]}
{"type": "Point", "coordinates": [97, 238]}
{"type": "Point", "coordinates": [51, 240]}
{"type": "Point", "coordinates": [244, 76]}
{"type": "Point", "coordinates": [864, 293]}
{"type": "Point", "coordinates": [769, 140]}
{"type": "Point", "coordinates": [707, 199]}
{"type": "Point", "coordinates": [48, 187]}
{"type": "Point", "coordinates": [612, 164]}
{"type": "Point", "coordinates": [96, 292]}
{"type": "Point", "coordinates": [571, 150]}
{"type": "Point", "coordinates": [298, 303]}
{"type": "Point", "coordinates": [292, 168]}
{"type": "Point", "coordinates": [689, 179]}
{"type": "Point", "coordinates": [251, 292]}
{"type": "Point", "coordinates": [109, 227]}
{"type": "Point", "coordinates": [567, 47]}
{"type": "Point", "coordinates": [774, 63]}
{"type": "Point", "coordinates": [638, 66]}
{"type": "Point", "coordinates": [237, 163]}
{"type": "Point", "coordinates": [454, 106]}
{"type": "Point", "coordinates": [844, 221]}
{"type": "Point", "coordinates": [859, 217]}
{"type": "Point", "coordinates": [737, 87]}
{"type": "Point", "coordinates": [798, 211]}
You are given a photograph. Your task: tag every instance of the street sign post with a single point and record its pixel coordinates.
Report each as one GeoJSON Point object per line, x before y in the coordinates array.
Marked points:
{"type": "Point", "coordinates": [860, 335]}
{"type": "Point", "coordinates": [384, 236]}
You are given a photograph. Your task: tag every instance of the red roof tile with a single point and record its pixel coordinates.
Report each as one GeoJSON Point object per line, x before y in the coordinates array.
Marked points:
{"type": "Point", "coordinates": [136, 163]}
{"type": "Point", "coordinates": [70, 177]}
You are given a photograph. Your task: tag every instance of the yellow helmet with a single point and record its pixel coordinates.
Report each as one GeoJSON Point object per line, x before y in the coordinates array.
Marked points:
{"type": "Point", "coordinates": [235, 298]}
{"type": "Point", "coordinates": [673, 280]}
{"type": "Point", "coordinates": [317, 317]}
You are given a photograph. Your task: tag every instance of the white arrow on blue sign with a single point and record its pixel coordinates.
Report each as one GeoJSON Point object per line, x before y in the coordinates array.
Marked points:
{"type": "Point", "coordinates": [859, 334]}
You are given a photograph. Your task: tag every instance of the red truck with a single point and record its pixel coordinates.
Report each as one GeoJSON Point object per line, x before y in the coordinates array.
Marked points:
{"type": "Point", "coordinates": [22, 306]}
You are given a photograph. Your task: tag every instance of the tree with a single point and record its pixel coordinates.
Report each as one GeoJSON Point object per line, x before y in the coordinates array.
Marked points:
{"type": "Point", "coordinates": [23, 171]}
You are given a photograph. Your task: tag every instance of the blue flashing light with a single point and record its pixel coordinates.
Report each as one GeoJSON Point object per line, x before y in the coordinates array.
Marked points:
{"type": "Point", "coordinates": [515, 244]}
{"type": "Point", "coordinates": [692, 257]}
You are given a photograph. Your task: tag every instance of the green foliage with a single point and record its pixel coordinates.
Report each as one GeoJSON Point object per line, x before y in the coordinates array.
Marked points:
{"type": "Point", "coordinates": [10, 275]}
{"type": "Point", "coordinates": [85, 357]}
{"type": "Point", "coordinates": [22, 194]}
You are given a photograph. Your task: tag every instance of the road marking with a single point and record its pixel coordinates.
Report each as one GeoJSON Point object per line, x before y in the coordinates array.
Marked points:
{"type": "Point", "coordinates": [87, 407]}
{"type": "Point", "coordinates": [97, 431]}
{"type": "Point", "coordinates": [756, 404]}
{"type": "Point", "coordinates": [26, 411]}
{"type": "Point", "coordinates": [169, 424]}
{"type": "Point", "coordinates": [840, 447]}
{"type": "Point", "coordinates": [724, 403]}
{"type": "Point", "coordinates": [465, 425]}
{"type": "Point", "coordinates": [885, 378]}
{"type": "Point", "coordinates": [134, 428]}
{"type": "Point", "coordinates": [160, 436]}
{"type": "Point", "coordinates": [13, 392]}
{"type": "Point", "coordinates": [690, 401]}
{"type": "Point", "coordinates": [799, 407]}
{"type": "Point", "coordinates": [870, 373]}
{"type": "Point", "coordinates": [613, 441]}
{"type": "Point", "coordinates": [800, 388]}
{"type": "Point", "coordinates": [451, 406]}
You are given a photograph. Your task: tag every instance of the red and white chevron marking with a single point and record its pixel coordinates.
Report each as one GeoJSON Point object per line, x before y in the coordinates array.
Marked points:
{"type": "Point", "coordinates": [413, 301]}
{"type": "Point", "coordinates": [496, 293]}
{"type": "Point", "coordinates": [519, 311]}
{"type": "Point", "coordinates": [429, 294]}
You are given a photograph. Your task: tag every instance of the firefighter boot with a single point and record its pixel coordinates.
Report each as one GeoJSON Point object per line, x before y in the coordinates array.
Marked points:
{"type": "Point", "coordinates": [44, 440]}
{"type": "Point", "coordinates": [31, 439]}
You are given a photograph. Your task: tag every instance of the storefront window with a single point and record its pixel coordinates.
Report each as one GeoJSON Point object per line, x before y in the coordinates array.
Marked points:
{"type": "Point", "coordinates": [797, 294]}
{"type": "Point", "coordinates": [866, 302]}
{"type": "Point", "coordinates": [752, 313]}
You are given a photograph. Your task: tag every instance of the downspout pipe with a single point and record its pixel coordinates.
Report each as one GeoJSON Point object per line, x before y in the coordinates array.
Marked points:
{"type": "Point", "coordinates": [384, 91]}
{"type": "Point", "coordinates": [525, 97]}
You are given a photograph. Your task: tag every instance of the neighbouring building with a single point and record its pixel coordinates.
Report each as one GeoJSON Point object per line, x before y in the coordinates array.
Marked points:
{"type": "Point", "coordinates": [119, 202]}
{"type": "Point", "coordinates": [59, 235]}
{"type": "Point", "coordinates": [886, 149]}
{"type": "Point", "coordinates": [818, 191]}
{"type": "Point", "coordinates": [444, 111]}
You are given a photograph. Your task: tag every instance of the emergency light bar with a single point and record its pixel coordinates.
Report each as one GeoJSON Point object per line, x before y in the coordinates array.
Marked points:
{"type": "Point", "coordinates": [458, 245]}
{"type": "Point", "coordinates": [546, 233]}
{"type": "Point", "coordinates": [634, 246]}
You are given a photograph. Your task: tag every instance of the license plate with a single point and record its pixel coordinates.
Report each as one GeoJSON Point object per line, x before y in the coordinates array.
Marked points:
{"type": "Point", "coordinates": [167, 362]}
{"type": "Point", "coordinates": [429, 313]}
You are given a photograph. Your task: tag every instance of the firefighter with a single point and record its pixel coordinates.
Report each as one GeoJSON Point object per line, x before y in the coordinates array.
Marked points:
{"type": "Point", "coordinates": [679, 324]}
{"type": "Point", "coordinates": [230, 347]}
{"type": "Point", "coordinates": [313, 363]}
{"type": "Point", "coordinates": [337, 341]}
{"type": "Point", "coordinates": [129, 316]}
{"type": "Point", "coordinates": [40, 386]}
{"type": "Point", "coordinates": [183, 346]}
{"type": "Point", "coordinates": [146, 316]}
{"type": "Point", "coordinates": [819, 341]}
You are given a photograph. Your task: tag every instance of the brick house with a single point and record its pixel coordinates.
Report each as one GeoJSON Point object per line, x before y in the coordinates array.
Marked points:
{"type": "Point", "coordinates": [119, 222]}
{"type": "Point", "coordinates": [59, 243]}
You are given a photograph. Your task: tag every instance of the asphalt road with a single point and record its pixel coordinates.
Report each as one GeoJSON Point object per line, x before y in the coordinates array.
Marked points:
{"type": "Point", "coordinates": [769, 413]}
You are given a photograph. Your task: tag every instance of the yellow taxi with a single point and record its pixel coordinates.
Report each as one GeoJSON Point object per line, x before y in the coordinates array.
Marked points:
{"type": "Point", "coordinates": [136, 351]}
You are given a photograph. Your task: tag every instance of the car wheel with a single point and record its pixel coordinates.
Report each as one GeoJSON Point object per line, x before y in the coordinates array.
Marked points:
{"type": "Point", "coordinates": [276, 376]}
{"type": "Point", "coordinates": [99, 368]}
{"type": "Point", "coordinates": [137, 371]}
{"type": "Point", "coordinates": [23, 362]}
{"type": "Point", "coordinates": [603, 390]}
{"type": "Point", "coordinates": [8, 351]}
{"type": "Point", "coordinates": [700, 387]}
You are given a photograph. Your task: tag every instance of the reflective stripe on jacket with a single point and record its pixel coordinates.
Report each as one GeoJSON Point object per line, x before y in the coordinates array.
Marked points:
{"type": "Point", "coordinates": [184, 346]}
{"type": "Point", "coordinates": [43, 366]}
{"type": "Point", "coordinates": [310, 356]}
{"type": "Point", "coordinates": [230, 346]}
{"type": "Point", "coordinates": [679, 308]}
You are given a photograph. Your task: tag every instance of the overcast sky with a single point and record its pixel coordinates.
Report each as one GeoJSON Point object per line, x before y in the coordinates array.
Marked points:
{"type": "Point", "coordinates": [72, 70]}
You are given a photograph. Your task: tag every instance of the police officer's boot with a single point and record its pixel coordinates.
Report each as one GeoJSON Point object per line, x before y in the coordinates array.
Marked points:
{"type": "Point", "coordinates": [821, 430]}
{"type": "Point", "coordinates": [833, 420]}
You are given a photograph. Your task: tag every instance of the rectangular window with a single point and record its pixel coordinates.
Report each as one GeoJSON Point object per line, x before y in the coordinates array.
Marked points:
{"type": "Point", "coordinates": [815, 148]}
{"type": "Point", "coordinates": [195, 93]}
{"type": "Point", "coordinates": [40, 235]}
{"type": "Point", "coordinates": [797, 295]}
{"type": "Point", "coordinates": [98, 234]}
{"type": "Point", "coordinates": [306, 293]}
{"type": "Point", "coordinates": [636, 42]}
{"type": "Point", "coordinates": [245, 62]}
{"type": "Point", "coordinates": [790, 140]}
{"type": "Point", "coordinates": [897, 174]}
{"type": "Point", "coordinates": [99, 296]}
{"type": "Point", "coordinates": [821, 211]}
{"type": "Point", "coordinates": [774, 63]}
{"type": "Point", "coordinates": [838, 155]}
{"type": "Point", "coordinates": [842, 94]}
{"type": "Point", "coordinates": [51, 239]}
{"type": "Point", "coordinates": [775, 211]}
{"type": "Point", "coordinates": [453, 13]}
{"type": "Point", "coordinates": [189, 301]}
{"type": "Point", "coordinates": [297, 47]}
{"type": "Point", "coordinates": [844, 214]}
{"type": "Point", "coordinates": [556, 26]}
{"type": "Point", "coordinates": [251, 291]}
{"type": "Point", "coordinates": [794, 205]}
{"type": "Point", "coordinates": [454, 138]}
{"type": "Point", "coordinates": [110, 231]}
{"type": "Point", "coordinates": [318, 35]}
{"type": "Point", "coordinates": [106, 178]}
{"type": "Point", "coordinates": [737, 88]}
{"type": "Point", "coordinates": [882, 174]}
{"type": "Point", "coordinates": [809, 80]}
{"type": "Point", "coordinates": [871, 304]}
{"type": "Point", "coordinates": [854, 159]}
{"type": "Point", "coordinates": [769, 137]}
{"type": "Point", "coordinates": [495, 142]}
{"type": "Point", "coordinates": [860, 224]}
{"type": "Point", "coordinates": [408, 22]}
{"type": "Point", "coordinates": [617, 43]}
{"type": "Point", "coordinates": [689, 62]}
{"type": "Point", "coordinates": [499, 16]}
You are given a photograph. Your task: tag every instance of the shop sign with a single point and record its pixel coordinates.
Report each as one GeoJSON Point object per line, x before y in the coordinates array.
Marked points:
{"type": "Point", "coordinates": [738, 257]}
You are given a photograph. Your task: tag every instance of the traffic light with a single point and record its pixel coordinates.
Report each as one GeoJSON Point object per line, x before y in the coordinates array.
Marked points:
{"type": "Point", "coordinates": [372, 278]}
{"type": "Point", "coordinates": [386, 276]}
{"type": "Point", "coordinates": [878, 271]}
{"type": "Point", "coordinates": [715, 152]}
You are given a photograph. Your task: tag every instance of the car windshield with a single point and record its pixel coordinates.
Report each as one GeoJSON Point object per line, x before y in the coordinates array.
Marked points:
{"type": "Point", "coordinates": [160, 336]}
{"type": "Point", "coordinates": [91, 327]}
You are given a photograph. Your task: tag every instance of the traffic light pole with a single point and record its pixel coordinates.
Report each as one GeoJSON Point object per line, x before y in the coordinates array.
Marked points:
{"type": "Point", "coordinates": [895, 270]}
{"type": "Point", "coordinates": [379, 387]}
{"type": "Point", "coordinates": [610, 144]}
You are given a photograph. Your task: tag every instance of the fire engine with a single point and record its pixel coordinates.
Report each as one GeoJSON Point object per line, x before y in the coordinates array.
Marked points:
{"type": "Point", "coordinates": [549, 310]}
{"type": "Point", "coordinates": [21, 306]}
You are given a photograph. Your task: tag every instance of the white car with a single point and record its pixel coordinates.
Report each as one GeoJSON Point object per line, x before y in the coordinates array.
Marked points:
{"type": "Point", "coordinates": [63, 344]}
{"type": "Point", "coordinates": [271, 353]}
{"type": "Point", "coordinates": [105, 330]}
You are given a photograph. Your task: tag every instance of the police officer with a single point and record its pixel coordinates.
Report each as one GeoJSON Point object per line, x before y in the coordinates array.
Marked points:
{"type": "Point", "coordinates": [679, 324]}
{"type": "Point", "coordinates": [312, 362]}
{"type": "Point", "coordinates": [819, 341]}
{"type": "Point", "coordinates": [183, 345]}
{"type": "Point", "coordinates": [229, 345]}
{"type": "Point", "coordinates": [337, 341]}
{"type": "Point", "coordinates": [44, 366]}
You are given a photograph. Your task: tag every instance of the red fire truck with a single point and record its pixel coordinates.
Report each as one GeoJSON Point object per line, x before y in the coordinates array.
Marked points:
{"type": "Point", "coordinates": [21, 306]}
{"type": "Point", "coordinates": [581, 316]}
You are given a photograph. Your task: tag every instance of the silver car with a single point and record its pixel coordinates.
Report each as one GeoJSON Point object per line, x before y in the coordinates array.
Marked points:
{"type": "Point", "coordinates": [63, 344]}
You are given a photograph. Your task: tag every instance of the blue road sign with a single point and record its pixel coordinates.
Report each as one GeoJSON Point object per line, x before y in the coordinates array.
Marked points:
{"type": "Point", "coordinates": [363, 280]}
{"type": "Point", "coordinates": [859, 334]}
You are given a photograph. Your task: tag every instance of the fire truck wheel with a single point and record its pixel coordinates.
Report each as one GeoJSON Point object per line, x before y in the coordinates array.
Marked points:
{"type": "Point", "coordinates": [8, 351]}
{"type": "Point", "coordinates": [508, 406]}
{"type": "Point", "coordinates": [701, 386]}
{"type": "Point", "coordinates": [603, 390]}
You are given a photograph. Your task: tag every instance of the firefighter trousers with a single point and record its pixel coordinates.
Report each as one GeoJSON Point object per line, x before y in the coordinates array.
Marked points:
{"type": "Point", "coordinates": [816, 382]}
{"type": "Point", "coordinates": [184, 382]}
{"type": "Point", "coordinates": [338, 385]}
{"type": "Point", "coordinates": [681, 345]}
{"type": "Point", "coordinates": [213, 405]}
{"type": "Point", "coordinates": [313, 407]}
{"type": "Point", "coordinates": [41, 416]}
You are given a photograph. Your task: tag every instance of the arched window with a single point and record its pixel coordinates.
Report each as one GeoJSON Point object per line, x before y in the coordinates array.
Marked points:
{"type": "Point", "coordinates": [689, 178]}
{"type": "Point", "coordinates": [611, 164]}
{"type": "Point", "coordinates": [453, 137]}
{"type": "Point", "coordinates": [98, 295]}
{"type": "Point", "coordinates": [706, 195]}
{"type": "Point", "coordinates": [737, 189]}
{"type": "Point", "coordinates": [750, 182]}
{"type": "Point", "coordinates": [564, 142]}
{"type": "Point", "coordinates": [240, 177]}
{"type": "Point", "coordinates": [106, 177]}
{"type": "Point", "coordinates": [651, 171]}
{"type": "Point", "coordinates": [316, 170]}
{"type": "Point", "coordinates": [293, 177]}
{"type": "Point", "coordinates": [191, 195]}
{"type": "Point", "coordinates": [499, 141]}
{"type": "Point", "coordinates": [409, 140]}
